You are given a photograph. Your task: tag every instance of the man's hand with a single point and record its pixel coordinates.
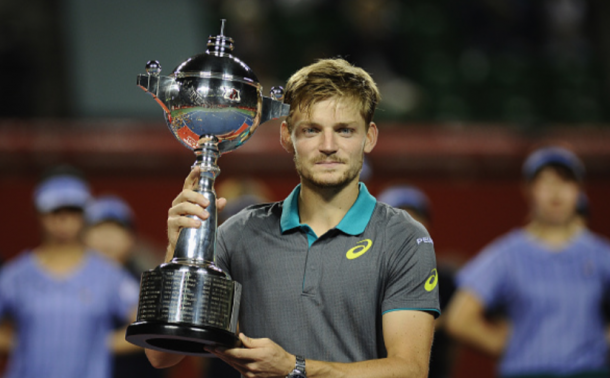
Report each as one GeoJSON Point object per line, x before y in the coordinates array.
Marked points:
{"type": "Point", "coordinates": [188, 202]}
{"type": "Point", "coordinates": [261, 358]}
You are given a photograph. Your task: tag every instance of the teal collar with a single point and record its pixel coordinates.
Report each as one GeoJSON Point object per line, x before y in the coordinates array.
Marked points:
{"type": "Point", "coordinates": [353, 223]}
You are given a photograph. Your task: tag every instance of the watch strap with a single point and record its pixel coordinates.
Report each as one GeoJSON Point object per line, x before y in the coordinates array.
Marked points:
{"type": "Point", "coordinates": [299, 368]}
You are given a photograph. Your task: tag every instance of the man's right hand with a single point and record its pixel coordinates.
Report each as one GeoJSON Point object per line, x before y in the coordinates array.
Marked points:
{"type": "Point", "coordinates": [188, 202]}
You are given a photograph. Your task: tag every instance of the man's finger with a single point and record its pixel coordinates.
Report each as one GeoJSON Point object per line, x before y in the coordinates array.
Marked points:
{"type": "Point", "coordinates": [221, 203]}
{"type": "Point", "coordinates": [191, 180]}
{"type": "Point", "coordinates": [187, 208]}
{"type": "Point", "coordinates": [188, 195]}
{"type": "Point", "coordinates": [246, 341]}
{"type": "Point", "coordinates": [180, 222]}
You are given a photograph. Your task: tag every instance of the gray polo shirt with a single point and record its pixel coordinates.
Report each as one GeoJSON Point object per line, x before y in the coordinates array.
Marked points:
{"type": "Point", "coordinates": [324, 297]}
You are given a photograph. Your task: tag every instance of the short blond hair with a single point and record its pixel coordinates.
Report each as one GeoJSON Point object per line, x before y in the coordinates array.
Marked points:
{"type": "Point", "coordinates": [329, 78]}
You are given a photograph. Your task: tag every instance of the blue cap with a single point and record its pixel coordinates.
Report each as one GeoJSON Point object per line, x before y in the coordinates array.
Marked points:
{"type": "Point", "coordinates": [553, 155]}
{"type": "Point", "coordinates": [109, 209]}
{"type": "Point", "coordinates": [61, 191]}
{"type": "Point", "coordinates": [406, 196]}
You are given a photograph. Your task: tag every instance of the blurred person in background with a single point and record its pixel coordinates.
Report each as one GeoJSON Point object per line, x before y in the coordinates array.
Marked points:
{"type": "Point", "coordinates": [550, 278]}
{"type": "Point", "coordinates": [63, 298]}
{"type": "Point", "coordinates": [111, 230]}
{"type": "Point", "coordinates": [414, 201]}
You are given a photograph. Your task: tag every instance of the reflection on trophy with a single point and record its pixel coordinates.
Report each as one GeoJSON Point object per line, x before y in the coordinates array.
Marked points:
{"type": "Point", "coordinates": [212, 103]}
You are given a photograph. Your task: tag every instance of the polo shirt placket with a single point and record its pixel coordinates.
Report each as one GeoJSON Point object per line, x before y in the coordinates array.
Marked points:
{"type": "Point", "coordinates": [353, 223]}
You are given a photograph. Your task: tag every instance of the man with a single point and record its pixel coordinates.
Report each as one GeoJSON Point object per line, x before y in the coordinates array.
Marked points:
{"type": "Point", "coordinates": [334, 283]}
{"type": "Point", "coordinates": [61, 297]}
{"type": "Point", "coordinates": [550, 278]}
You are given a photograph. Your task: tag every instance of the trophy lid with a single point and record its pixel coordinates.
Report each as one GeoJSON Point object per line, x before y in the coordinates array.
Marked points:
{"type": "Point", "coordinates": [217, 60]}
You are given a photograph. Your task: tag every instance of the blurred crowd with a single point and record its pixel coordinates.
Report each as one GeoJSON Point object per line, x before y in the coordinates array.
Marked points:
{"type": "Point", "coordinates": [523, 62]}
{"type": "Point", "coordinates": [526, 62]}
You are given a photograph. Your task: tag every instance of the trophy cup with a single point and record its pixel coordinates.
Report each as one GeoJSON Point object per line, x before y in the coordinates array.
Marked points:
{"type": "Point", "coordinates": [212, 103]}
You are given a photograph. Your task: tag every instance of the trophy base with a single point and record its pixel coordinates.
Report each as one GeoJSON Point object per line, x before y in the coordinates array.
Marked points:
{"type": "Point", "coordinates": [179, 338]}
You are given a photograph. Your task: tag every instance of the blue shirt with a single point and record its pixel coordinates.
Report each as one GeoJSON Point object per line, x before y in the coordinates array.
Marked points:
{"type": "Point", "coordinates": [63, 324]}
{"type": "Point", "coordinates": [552, 298]}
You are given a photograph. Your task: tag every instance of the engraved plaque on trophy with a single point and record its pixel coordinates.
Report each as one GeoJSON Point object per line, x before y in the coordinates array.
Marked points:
{"type": "Point", "coordinates": [212, 104]}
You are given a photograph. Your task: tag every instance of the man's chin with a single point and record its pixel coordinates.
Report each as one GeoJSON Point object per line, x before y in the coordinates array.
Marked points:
{"type": "Point", "coordinates": [328, 182]}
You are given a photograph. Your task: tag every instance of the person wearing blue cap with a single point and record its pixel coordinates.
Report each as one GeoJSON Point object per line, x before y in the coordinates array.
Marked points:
{"type": "Point", "coordinates": [62, 297]}
{"type": "Point", "coordinates": [550, 278]}
{"type": "Point", "coordinates": [110, 230]}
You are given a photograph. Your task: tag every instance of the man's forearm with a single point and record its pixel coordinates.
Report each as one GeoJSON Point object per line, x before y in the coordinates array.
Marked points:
{"type": "Point", "coordinates": [391, 367]}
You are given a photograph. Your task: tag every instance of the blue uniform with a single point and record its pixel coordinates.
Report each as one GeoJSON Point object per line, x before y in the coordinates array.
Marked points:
{"type": "Point", "coordinates": [553, 299]}
{"type": "Point", "coordinates": [63, 324]}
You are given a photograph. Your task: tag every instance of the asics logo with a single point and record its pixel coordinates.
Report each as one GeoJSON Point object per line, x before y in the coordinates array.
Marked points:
{"type": "Point", "coordinates": [359, 250]}
{"type": "Point", "coordinates": [431, 281]}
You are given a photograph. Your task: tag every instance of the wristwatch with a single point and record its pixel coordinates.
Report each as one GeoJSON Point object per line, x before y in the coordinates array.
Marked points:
{"type": "Point", "coordinates": [299, 369]}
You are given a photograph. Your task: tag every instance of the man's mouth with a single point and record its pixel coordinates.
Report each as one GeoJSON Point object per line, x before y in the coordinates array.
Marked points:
{"type": "Point", "coordinates": [328, 162]}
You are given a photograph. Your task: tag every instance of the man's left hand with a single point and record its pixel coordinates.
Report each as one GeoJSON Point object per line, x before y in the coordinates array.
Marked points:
{"type": "Point", "coordinates": [260, 358]}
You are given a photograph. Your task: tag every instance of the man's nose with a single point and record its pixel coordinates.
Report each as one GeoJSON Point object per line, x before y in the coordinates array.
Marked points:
{"type": "Point", "coordinates": [328, 144]}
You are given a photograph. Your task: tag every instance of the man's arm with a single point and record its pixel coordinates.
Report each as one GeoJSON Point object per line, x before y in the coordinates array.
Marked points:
{"type": "Point", "coordinates": [465, 320]}
{"type": "Point", "coordinates": [408, 339]}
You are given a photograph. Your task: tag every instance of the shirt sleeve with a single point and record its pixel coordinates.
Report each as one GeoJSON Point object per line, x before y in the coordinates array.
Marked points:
{"type": "Point", "coordinates": [412, 280]}
{"type": "Point", "coordinates": [221, 257]}
{"type": "Point", "coordinates": [485, 276]}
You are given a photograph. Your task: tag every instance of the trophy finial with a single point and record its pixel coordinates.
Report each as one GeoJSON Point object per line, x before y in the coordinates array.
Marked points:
{"type": "Point", "coordinates": [220, 43]}
{"type": "Point", "coordinates": [153, 67]}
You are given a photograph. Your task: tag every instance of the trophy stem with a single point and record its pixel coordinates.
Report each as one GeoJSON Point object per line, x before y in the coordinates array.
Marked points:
{"type": "Point", "coordinates": [197, 245]}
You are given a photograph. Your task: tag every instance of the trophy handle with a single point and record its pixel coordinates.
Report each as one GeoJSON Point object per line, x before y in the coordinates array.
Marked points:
{"type": "Point", "coordinates": [273, 107]}
{"type": "Point", "coordinates": [197, 245]}
{"type": "Point", "coordinates": [154, 84]}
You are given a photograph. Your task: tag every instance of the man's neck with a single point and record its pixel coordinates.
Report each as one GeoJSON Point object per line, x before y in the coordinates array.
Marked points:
{"type": "Point", "coordinates": [323, 208]}
{"type": "Point", "coordinates": [554, 235]}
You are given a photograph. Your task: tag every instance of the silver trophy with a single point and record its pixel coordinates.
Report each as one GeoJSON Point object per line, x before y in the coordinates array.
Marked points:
{"type": "Point", "coordinates": [212, 103]}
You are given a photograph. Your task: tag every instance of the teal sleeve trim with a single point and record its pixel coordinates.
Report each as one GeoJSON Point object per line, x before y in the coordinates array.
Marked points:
{"type": "Point", "coordinates": [414, 309]}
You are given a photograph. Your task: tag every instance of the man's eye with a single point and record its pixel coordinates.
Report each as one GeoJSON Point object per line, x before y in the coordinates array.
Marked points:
{"type": "Point", "coordinates": [346, 131]}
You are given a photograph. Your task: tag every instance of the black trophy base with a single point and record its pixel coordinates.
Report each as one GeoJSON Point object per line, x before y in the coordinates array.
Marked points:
{"type": "Point", "coordinates": [179, 338]}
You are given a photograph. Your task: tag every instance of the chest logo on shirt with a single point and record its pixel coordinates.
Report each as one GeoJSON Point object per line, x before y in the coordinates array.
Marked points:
{"type": "Point", "coordinates": [359, 250]}
{"type": "Point", "coordinates": [431, 281]}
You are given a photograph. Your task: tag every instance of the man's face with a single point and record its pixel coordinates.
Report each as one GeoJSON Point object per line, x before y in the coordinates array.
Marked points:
{"type": "Point", "coordinates": [554, 197]}
{"type": "Point", "coordinates": [329, 142]}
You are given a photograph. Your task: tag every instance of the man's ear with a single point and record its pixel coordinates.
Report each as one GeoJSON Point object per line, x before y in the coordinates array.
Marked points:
{"type": "Point", "coordinates": [371, 138]}
{"type": "Point", "coordinates": [285, 138]}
